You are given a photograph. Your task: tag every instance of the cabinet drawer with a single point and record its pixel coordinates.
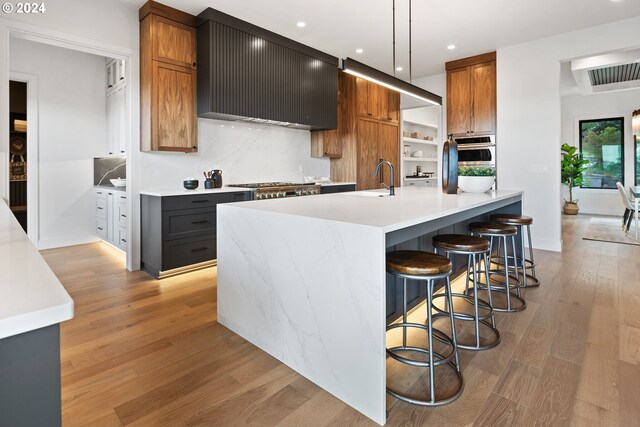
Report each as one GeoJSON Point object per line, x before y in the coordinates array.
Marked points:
{"type": "Point", "coordinates": [188, 223]}
{"type": "Point", "coordinates": [101, 194]}
{"type": "Point", "coordinates": [101, 208]}
{"type": "Point", "coordinates": [101, 228]}
{"type": "Point", "coordinates": [196, 201]}
{"type": "Point", "coordinates": [121, 214]}
{"type": "Point", "coordinates": [121, 239]}
{"type": "Point", "coordinates": [182, 252]}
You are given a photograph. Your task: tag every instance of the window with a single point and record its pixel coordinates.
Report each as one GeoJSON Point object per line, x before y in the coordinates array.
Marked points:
{"type": "Point", "coordinates": [602, 144]}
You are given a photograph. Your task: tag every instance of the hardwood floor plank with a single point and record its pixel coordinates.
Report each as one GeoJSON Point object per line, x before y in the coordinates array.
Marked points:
{"type": "Point", "coordinates": [630, 344]}
{"type": "Point", "coordinates": [629, 402]}
{"type": "Point", "coordinates": [517, 382]}
{"type": "Point", "coordinates": [500, 412]}
{"type": "Point", "coordinates": [588, 415]}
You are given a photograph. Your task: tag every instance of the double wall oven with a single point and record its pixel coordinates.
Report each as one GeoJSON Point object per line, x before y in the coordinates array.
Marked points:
{"type": "Point", "coordinates": [478, 151]}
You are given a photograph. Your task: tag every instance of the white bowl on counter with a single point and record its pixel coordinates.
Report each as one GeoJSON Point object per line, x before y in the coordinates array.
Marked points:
{"type": "Point", "coordinates": [475, 184]}
{"type": "Point", "coordinates": [119, 182]}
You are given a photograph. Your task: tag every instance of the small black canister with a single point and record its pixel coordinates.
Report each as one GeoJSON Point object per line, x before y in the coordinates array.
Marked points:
{"type": "Point", "coordinates": [216, 176]}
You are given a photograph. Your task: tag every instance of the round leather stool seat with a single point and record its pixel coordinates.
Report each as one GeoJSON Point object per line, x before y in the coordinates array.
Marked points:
{"type": "Point", "coordinates": [418, 263]}
{"type": "Point", "coordinates": [460, 242]}
{"type": "Point", "coordinates": [492, 228]}
{"type": "Point", "coordinates": [512, 219]}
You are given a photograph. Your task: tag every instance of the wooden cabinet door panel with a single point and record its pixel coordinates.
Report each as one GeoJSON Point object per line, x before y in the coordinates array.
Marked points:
{"type": "Point", "coordinates": [367, 135]}
{"type": "Point", "coordinates": [483, 106]}
{"type": "Point", "coordinates": [173, 42]}
{"type": "Point", "coordinates": [459, 101]}
{"type": "Point", "coordinates": [362, 97]}
{"type": "Point", "coordinates": [174, 108]}
{"type": "Point", "coordinates": [378, 102]}
{"type": "Point", "coordinates": [393, 105]}
{"type": "Point", "coordinates": [389, 149]}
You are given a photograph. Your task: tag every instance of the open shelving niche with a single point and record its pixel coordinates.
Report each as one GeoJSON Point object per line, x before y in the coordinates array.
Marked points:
{"type": "Point", "coordinates": [427, 121]}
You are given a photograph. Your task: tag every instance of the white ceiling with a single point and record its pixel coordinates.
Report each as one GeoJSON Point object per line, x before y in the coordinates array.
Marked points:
{"type": "Point", "coordinates": [338, 27]}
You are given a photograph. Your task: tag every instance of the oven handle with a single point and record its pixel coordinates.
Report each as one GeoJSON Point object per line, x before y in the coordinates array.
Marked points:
{"type": "Point", "coordinates": [463, 147]}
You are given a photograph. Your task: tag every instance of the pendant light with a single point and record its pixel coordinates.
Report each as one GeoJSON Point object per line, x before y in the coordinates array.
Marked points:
{"type": "Point", "coordinates": [373, 75]}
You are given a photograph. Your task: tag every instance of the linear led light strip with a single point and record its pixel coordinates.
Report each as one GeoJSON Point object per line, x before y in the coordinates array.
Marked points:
{"type": "Point", "coordinates": [349, 66]}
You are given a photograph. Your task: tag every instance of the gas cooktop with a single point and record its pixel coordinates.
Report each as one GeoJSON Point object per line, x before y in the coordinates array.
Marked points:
{"type": "Point", "coordinates": [274, 190]}
{"type": "Point", "coordinates": [269, 184]}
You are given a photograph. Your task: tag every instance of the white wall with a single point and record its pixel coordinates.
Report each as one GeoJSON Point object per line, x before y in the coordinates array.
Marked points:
{"type": "Point", "coordinates": [614, 104]}
{"type": "Point", "coordinates": [244, 152]}
{"type": "Point", "coordinates": [72, 130]}
{"type": "Point", "coordinates": [529, 129]}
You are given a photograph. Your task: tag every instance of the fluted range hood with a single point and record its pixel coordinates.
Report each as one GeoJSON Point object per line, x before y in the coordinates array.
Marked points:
{"type": "Point", "coordinates": [251, 74]}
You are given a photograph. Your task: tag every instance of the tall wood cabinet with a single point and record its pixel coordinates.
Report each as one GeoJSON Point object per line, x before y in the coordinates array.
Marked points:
{"type": "Point", "coordinates": [471, 96]}
{"type": "Point", "coordinates": [167, 79]}
{"type": "Point", "coordinates": [368, 131]}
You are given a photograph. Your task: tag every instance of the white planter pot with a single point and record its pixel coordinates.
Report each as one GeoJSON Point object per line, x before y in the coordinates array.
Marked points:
{"type": "Point", "coordinates": [475, 184]}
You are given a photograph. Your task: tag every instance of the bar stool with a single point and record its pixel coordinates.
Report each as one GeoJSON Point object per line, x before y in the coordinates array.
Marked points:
{"type": "Point", "coordinates": [428, 267]}
{"type": "Point", "coordinates": [502, 232]}
{"type": "Point", "coordinates": [521, 221]}
{"type": "Point", "coordinates": [475, 248]}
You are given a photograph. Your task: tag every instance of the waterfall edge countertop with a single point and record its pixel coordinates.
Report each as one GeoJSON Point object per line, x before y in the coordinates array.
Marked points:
{"type": "Point", "coordinates": [31, 296]}
{"type": "Point", "coordinates": [375, 208]}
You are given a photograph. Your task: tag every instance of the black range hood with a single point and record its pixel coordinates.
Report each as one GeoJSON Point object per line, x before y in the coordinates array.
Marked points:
{"type": "Point", "coordinates": [248, 73]}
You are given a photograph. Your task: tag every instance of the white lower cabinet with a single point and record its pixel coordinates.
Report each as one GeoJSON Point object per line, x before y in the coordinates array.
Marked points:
{"type": "Point", "coordinates": [111, 217]}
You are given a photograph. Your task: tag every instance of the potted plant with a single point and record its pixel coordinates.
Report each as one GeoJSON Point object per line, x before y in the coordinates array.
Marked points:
{"type": "Point", "coordinates": [572, 167]}
{"type": "Point", "coordinates": [475, 179]}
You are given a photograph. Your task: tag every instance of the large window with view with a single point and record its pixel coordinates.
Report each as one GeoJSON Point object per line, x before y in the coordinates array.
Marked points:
{"type": "Point", "coordinates": [602, 144]}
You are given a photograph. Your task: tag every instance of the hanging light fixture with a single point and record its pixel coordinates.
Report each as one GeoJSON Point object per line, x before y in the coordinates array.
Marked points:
{"type": "Point", "coordinates": [373, 75]}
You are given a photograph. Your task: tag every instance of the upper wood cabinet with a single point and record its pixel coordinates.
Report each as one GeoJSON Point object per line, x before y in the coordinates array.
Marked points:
{"type": "Point", "coordinates": [167, 79]}
{"type": "Point", "coordinates": [173, 42]}
{"type": "Point", "coordinates": [471, 96]}
{"type": "Point", "coordinates": [377, 102]}
{"type": "Point", "coordinates": [361, 140]}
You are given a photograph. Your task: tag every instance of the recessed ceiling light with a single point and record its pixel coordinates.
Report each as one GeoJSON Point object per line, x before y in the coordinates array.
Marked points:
{"type": "Point", "coordinates": [399, 68]}
{"type": "Point", "coordinates": [451, 46]}
{"type": "Point", "coordinates": [359, 50]}
{"type": "Point", "coordinates": [301, 24]}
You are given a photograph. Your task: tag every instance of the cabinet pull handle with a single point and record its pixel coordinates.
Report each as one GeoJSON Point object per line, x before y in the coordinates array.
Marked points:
{"type": "Point", "coordinates": [204, 221]}
{"type": "Point", "coordinates": [110, 153]}
{"type": "Point", "coordinates": [121, 78]}
{"type": "Point", "coordinates": [100, 228]}
{"type": "Point", "coordinates": [99, 192]}
{"type": "Point", "coordinates": [194, 64]}
{"type": "Point", "coordinates": [123, 197]}
{"type": "Point", "coordinates": [122, 151]}
{"type": "Point", "coordinates": [123, 215]}
{"type": "Point", "coordinates": [110, 86]}
{"type": "Point", "coordinates": [199, 201]}
{"type": "Point", "coordinates": [124, 240]}
{"type": "Point", "coordinates": [100, 208]}
{"type": "Point", "coordinates": [199, 249]}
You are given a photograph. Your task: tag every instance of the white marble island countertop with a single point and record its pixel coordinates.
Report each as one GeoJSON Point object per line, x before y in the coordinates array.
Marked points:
{"type": "Point", "coordinates": [31, 296]}
{"type": "Point", "coordinates": [376, 208]}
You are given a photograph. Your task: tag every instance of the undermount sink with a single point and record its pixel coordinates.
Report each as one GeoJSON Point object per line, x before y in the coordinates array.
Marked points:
{"type": "Point", "coordinates": [370, 193]}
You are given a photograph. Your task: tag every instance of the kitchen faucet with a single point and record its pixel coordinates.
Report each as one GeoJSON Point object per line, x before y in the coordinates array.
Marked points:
{"type": "Point", "coordinates": [389, 187]}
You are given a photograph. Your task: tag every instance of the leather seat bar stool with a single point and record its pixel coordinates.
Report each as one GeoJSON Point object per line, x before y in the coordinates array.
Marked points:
{"type": "Point", "coordinates": [427, 267]}
{"type": "Point", "coordinates": [502, 233]}
{"type": "Point", "coordinates": [521, 221]}
{"type": "Point", "coordinates": [476, 248]}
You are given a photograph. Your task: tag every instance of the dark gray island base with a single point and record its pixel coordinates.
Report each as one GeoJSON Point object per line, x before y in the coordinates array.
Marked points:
{"type": "Point", "coordinates": [30, 379]}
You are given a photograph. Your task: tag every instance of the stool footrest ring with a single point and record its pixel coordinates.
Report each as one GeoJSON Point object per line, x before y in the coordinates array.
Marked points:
{"type": "Point", "coordinates": [435, 402]}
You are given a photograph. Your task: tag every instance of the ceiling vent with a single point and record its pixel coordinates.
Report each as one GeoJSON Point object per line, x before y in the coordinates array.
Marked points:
{"type": "Point", "coordinates": [607, 73]}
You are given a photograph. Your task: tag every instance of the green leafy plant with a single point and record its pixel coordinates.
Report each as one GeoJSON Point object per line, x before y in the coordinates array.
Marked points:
{"type": "Point", "coordinates": [572, 167]}
{"type": "Point", "coordinates": [476, 171]}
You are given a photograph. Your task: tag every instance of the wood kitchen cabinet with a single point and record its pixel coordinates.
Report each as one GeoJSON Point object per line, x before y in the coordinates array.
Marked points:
{"type": "Point", "coordinates": [471, 96]}
{"type": "Point", "coordinates": [167, 79]}
{"type": "Point", "coordinates": [365, 139]}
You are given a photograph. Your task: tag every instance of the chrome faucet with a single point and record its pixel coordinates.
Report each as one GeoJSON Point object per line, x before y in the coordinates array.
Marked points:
{"type": "Point", "coordinates": [390, 187]}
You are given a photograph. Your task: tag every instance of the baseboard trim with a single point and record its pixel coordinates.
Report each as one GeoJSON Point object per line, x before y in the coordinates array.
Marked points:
{"type": "Point", "coordinates": [65, 241]}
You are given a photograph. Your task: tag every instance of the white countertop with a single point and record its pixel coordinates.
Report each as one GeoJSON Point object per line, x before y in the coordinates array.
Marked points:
{"type": "Point", "coordinates": [410, 206]}
{"type": "Point", "coordinates": [110, 188]}
{"type": "Point", "coordinates": [31, 296]}
{"type": "Point", "coordinates": [184, 192]}
{"type": "Point", "coordinates": [328, 184]}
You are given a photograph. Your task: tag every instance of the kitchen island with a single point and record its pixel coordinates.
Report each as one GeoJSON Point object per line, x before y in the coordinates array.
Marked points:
{"type": "Point", "coordinates": [33, 303]}
{"type": "Point", "coordinates": [304, 278]}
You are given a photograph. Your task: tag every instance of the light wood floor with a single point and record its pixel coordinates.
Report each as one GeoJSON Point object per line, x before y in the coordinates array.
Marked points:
{"type": "Point", "coordinates": [147, 352]}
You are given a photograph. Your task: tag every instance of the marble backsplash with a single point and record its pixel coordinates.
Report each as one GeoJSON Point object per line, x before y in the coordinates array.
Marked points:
{"type": "Point", "coordinates": [106, 168]}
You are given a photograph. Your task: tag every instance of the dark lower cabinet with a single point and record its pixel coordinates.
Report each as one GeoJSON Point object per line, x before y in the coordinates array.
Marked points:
{"type": "Point", "coordinates": [178, 231]}
{"type": "Point", "coordinates": [328, 189]}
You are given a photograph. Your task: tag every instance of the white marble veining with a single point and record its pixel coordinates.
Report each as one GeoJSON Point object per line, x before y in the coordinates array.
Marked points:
{"type": "Point", "coordinates": [281, 285]}
{"type": "Point", "coordinates": [184, 192]}
{"type": "Point", "coordinates": [31, 296]}
{"type": "Point", "coordinates": [410, 206]}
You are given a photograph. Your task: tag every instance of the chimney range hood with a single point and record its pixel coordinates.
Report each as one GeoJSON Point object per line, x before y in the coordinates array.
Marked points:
{"type": "Point", "coordinates": [251, 74]}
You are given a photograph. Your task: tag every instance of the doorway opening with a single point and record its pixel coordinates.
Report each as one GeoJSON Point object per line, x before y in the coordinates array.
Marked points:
{"type": "Point", "coordinates": [18, 151]}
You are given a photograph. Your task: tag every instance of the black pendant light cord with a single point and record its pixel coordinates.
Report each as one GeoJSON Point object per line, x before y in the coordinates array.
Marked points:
{"type": "Point", "coordinates": [394, 38]}
{"type": "Point", "coordinates": [410, 52]}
